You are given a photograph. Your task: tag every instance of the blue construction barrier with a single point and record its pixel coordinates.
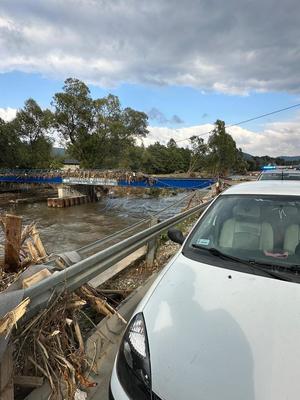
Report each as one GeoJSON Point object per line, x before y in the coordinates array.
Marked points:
{"type": "Point", "coordinates": [31, 179]}
{"type": "Point", "coordinates": [159, 183]}
{"type": "Point", "coordinates": [171, 183]}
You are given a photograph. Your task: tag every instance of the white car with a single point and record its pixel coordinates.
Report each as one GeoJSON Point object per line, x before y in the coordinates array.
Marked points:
{"type": "Point", "coordinates": [222, 321]}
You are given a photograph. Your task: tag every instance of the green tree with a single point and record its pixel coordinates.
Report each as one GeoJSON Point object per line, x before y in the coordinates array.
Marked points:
{"type": "Point", "coordinates": [241, 164]}
{"type": "Point", "coordinates": [199, 152]}
{"type": "Point", "coordinates": [178, 158]}
{"type": "Point", "coordinates": [74, 117]}
{"type": "Point", "coordinates": [10, 146]}
{"type": "Point", "coordinates": [160, 159]}
{"type": "Point", "coordinates": [33, 126]}
{"type": "Point", "coordinates": [133, 158]}
{"type": "Point", "coordinates": [116, 130]}
{"type": "Point", "coordinates": [222, 150]}
{"type": "Point", "coordinates": [99, 131]}
{"type": "Point", "coordinates": [156, 159]}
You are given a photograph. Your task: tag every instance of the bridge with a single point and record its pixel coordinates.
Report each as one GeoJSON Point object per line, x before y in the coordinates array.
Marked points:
{"type": "Point", "coordinates": [81, 186]}
{"type": "Point", "coordinates": [102, 178]}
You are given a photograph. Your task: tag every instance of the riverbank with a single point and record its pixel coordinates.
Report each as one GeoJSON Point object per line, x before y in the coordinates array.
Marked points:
{"type": "Point", "coordinates": [25, 195]}
{"type": "Point", "coordinates": [13, 195]}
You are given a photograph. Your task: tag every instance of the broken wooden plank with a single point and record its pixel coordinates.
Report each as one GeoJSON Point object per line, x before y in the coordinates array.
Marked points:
{"type": "Point", "coordinates": [32, 251]}
{"type": "Point", "coordinates": [38, 243]}
{"type": "Point", "coordinates": [35, 278]}
{"type": "Point", "coordinates": [13, 231]}
{"type": "Point", "coordinates": [10, 319]}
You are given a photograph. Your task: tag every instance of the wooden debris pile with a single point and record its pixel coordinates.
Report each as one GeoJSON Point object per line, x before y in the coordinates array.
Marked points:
{"type": "Point", "coordinates": [32, 247]}
{"type": "Point", "coordinates": [23, 247]}
{"type": "Point", "coordinates": [116, 174]}
{"type": "Point", "coordinates": [51, 345]}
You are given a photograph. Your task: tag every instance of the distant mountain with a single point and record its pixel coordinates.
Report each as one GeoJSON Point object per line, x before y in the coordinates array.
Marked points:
{"type": "Point", "coordinates": [247, 156]}
{"type": "Point", "coordinates": [290, 158]}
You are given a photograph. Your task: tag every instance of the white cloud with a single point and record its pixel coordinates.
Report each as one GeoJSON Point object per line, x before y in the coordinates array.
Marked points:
{"type": "Point", "coordinates": [8, 114]}
{"type": "Point", "coordinates": [164, 134]}
{"type": "Point", "coordinates": [225, 46]}
{"type": "Point", "coordinates": [274, 139]}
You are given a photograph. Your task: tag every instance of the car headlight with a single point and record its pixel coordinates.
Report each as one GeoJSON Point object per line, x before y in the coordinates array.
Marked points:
{"type": "Point", "coordinates": [133, 362]}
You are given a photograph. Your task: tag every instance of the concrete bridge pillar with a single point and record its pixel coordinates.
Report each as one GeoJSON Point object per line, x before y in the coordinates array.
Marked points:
{"type": "Point", "coordinates": [67, 191]}
{"type": "Point", "coordinates": [79, 190]}
{"type": "Point", "coordinates": [92, 193]}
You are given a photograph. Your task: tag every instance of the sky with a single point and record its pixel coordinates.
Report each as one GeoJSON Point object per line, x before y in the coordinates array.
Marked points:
{"type": "Point", "coordinates": [184, 63]}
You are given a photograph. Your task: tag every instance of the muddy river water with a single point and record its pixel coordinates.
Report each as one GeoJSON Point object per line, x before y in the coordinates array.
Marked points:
{"type": "Point", "coordinates": [64, 229]}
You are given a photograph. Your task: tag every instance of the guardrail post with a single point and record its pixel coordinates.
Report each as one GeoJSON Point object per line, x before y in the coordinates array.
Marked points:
{"type": "Point", "coordinates": [152, 246]}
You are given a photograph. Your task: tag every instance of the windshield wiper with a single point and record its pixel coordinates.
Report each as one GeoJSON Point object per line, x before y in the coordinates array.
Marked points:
{"type": "Point", "coordinates": [293, 268]}
{"type": "Point", "coordinates": [218, 253]}
{"type": "Point", "coordinates": [282, 268]}
{"type": "Point", "coordinates": [262, 267]}
{"type": "Point", "coordinates": [269, 269]}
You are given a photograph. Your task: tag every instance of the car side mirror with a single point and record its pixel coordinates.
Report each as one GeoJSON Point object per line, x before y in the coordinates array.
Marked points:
{"type": "Point", "coordinates": [176, 235]}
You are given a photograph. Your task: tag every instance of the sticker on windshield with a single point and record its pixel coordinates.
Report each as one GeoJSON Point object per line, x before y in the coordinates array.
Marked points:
{"type": "Point", "coordinates": [205, 242]}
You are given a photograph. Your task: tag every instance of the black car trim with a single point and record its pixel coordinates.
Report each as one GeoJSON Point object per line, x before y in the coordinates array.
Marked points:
{"type": "Point", "coordinates": [110, 395]}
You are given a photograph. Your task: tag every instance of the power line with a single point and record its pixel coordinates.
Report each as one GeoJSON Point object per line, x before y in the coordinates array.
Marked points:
{"type": "Point", "coordinates": [246, 121]}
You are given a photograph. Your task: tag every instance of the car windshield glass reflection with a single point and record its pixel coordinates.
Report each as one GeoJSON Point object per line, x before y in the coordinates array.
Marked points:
{"type": "Point", "coordinates": [262, 229]}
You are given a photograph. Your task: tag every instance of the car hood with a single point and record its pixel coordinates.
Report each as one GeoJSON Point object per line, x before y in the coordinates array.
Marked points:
{"type": "Point", "coordinates": [219, 334]}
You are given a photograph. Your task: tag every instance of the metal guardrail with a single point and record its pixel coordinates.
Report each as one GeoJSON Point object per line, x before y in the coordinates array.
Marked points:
{"type": "Point", "coordinates": [83, 271]}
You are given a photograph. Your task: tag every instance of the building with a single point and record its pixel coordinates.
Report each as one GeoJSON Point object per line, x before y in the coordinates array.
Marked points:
{"type": "Point", "coordinates": [71, 164]}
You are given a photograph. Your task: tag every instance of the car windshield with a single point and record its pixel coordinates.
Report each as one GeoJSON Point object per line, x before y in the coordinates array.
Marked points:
{"type": "Point", "coordinates": [265, 229]}
{"type": "Point", "coordinates": [286, 176]}
{"type": "Point", "coordinates": [271, 176]}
